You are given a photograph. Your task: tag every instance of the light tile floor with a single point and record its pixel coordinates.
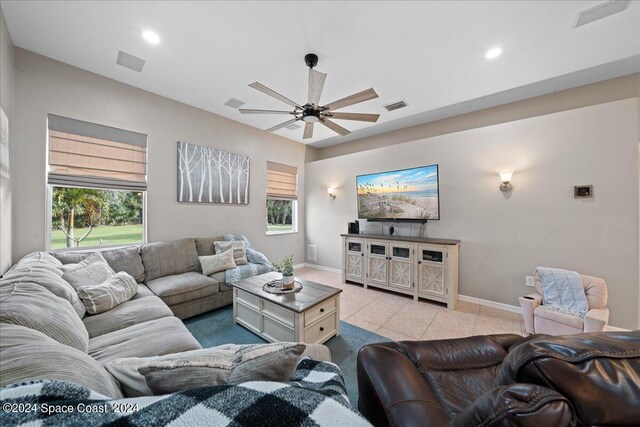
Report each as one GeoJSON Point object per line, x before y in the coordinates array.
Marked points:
{"type": "Point", "coordinates": [399, 317]}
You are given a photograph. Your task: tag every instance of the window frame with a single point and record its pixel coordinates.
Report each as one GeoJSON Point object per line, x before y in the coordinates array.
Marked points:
{"type": "Point", "coordinates": [294, 217]}
{"type": "Point", "coordinates": [48, 225]}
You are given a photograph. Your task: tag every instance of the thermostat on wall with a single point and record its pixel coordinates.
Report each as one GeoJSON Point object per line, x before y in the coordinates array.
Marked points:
{"type": "Point", "coordinates": [582, 191]}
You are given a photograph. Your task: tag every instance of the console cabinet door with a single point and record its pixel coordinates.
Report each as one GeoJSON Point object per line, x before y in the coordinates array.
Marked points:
{"type": "Point", "coordinates": [354, 262]}
{"type": "Point", "coordinates": [401, 265]}
{"type": "Point", "coordinates": [431, 271]}
{"type": "Point", "coordinates": [377, 271]}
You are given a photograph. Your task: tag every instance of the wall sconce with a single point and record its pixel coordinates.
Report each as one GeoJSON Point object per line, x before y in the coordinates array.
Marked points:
{"type": "Point", "coordinates": [332, 193]}
{"type": "Point", "coordinates": [505, 177]}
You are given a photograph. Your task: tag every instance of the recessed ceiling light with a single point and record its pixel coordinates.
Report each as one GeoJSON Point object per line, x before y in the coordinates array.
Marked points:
{"type": "Point", "coordinates": [151, 37]}
{"type": "Point", "coordinates": [493, 53]}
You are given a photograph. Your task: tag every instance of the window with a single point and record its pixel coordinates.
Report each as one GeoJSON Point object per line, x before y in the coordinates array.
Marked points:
{"type": "Point", "coordinates": [282, 198]}
{"type": "Point", "coordinates": [97, 182]}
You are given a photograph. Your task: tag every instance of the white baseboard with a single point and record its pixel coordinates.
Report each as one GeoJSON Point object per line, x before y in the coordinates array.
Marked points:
{"type": "Point", "coordinates": [492, 304]}
{"type": "Point", "coordinates": [321, 267]}
{"type": "Point", "coordinates": [615, 328]}
{"type": "Point", "coordinates": [298, 266]}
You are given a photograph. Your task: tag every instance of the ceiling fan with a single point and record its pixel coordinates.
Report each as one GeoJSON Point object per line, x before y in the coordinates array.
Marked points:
{"type": "Point", "coordinates": [312, 112]}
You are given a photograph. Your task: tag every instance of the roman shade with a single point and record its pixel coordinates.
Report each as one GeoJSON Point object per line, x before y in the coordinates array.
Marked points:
{"type": "Point", "coordinates": [83, 154]}
{"type": "Point", "coordinates": [282, 181]}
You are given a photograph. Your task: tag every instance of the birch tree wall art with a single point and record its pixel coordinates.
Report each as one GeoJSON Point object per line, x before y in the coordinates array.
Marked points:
{"type": "Point", "coordinates": [210, 175]}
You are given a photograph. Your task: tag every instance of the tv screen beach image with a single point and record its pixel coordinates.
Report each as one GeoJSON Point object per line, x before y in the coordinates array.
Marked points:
{"type": "Point", "coordinates": [404, 194]}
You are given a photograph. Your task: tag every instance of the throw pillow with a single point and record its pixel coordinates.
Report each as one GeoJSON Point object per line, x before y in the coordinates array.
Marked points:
{"type": "Point", "coordinates": [239, 251]}
{"type": "Point", "coordinates": [226, 364]}
{"type": "Point", "coordinates": [112, 292]}
{"type": "Point", "coordinates": [92, 270]}
{"type": "Point", "coordinates": [214, 263]}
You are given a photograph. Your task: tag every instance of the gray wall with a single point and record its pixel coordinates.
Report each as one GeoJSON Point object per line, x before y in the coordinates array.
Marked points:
{"type": "Point", "coordinates": [504, 237]}
{"type": "Point", "coordinates": [7, 62]}
{"type": "Point", "coordinates": [46, 86]}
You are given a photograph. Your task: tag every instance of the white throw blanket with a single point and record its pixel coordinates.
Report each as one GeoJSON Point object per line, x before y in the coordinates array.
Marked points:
{"type": "Point", "coordinates": [563, 291]}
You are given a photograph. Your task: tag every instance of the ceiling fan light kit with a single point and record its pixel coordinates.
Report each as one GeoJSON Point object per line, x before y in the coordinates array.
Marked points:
{"type": "Point", "coordinates": [312, 112]}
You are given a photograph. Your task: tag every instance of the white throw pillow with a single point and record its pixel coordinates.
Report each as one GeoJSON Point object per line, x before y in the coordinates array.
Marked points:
{"type": "Point", "coordinates": [91, 271]}
{"type": "Point", "coordinates": [114, 291]}
{"type": "Point", "coordinates": [215, 263]}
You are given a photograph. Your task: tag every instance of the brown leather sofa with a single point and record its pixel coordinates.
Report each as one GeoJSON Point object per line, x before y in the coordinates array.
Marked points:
{"type": "Point", "coordinates": [503, 380]}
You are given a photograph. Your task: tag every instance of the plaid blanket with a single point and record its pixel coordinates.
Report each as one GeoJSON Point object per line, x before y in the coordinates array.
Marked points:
{"type": "Point", "coordinates": [315, 397]}
{"type": "Point", "coordinates": [258, 263]}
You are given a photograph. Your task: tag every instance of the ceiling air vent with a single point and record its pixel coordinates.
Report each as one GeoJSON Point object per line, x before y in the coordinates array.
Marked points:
{"type": "Point", "coordinates": [601, 11]}
{"type": "Point", "coordinates": [293, 126]}
{"type": "Point", "coordinates": [234, 103]}
{"type": "Point", "coordinates": [129, 61]}
{"type": "Point", "coordinates": [395, 105]}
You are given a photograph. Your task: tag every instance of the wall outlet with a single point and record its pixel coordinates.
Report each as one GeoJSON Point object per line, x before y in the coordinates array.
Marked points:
{"type": "Point", "coordinates": [530, 282]}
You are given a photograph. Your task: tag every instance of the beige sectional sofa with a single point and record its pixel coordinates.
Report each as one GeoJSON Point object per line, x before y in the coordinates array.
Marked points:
{"type": "Point", "coordinates": [169, 270]}
{"type": "Point", "coordinates": [46, 334]}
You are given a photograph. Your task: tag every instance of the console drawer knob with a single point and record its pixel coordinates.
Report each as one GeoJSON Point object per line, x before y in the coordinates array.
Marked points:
{"type": "Point", "coordinates": [321, 328]}
{"type": "Point", "coordinates": [322, 310]}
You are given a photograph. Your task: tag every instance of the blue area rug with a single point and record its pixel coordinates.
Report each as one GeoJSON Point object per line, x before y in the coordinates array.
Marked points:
{"type": "Point", "coordinates": [217, 328]}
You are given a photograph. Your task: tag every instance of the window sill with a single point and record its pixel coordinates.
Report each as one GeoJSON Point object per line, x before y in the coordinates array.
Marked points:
{"type": "Point", "coordinates": [99, 248]}
{"type": "Point", "coordinates": [275, 233]}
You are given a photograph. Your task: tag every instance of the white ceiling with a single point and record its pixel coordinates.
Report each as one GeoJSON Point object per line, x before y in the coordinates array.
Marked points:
{"type": "Point", "coordinates": [431, 54]}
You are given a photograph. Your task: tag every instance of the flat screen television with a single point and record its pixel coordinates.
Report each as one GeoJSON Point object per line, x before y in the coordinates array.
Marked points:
{"type": "Point", "coordinates": [401, 195]}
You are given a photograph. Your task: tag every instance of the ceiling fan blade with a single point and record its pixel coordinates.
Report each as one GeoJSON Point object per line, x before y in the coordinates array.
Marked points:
{"type": "Point", "coordinates": [281, 125]}
{"type": "Point", "coordinates": [316, 84]}
{"type": "Point", "coordinates": [363, 117]}
{"type": "Point", "coordinates": [335, 127]}
{"type": "Point", "coordinates": [308, 130]}
{"type": "Point", "coordinates": [262, 88]}
{"type": "Point", "coordinates": [356, 98]}
{"type": "Point", "coordinates": [252, 111]}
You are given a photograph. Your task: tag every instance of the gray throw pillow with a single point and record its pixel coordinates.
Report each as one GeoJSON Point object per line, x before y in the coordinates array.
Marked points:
{"type": "Point", "coordinates": [226, 364]}
{"type": "Point", "coordinates": [109, 294]}
{"type": "Point", "coordinates": [215, 263]}
{"type": "Point", "coordinates": [239, 251]}
{"type": "Point", "coordinates": [92, 270]}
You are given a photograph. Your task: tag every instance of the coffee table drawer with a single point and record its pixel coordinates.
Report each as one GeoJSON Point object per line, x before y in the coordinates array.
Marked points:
{"type": "Point", "coordinates": [248, 317]}
{"type": "Point", "coordinates": [324, 328]}
{"type": "Point", "coordinates": [248, 299]}
{"type": "Point", "coordinates": [279, 313]}
{"type": "Point", "coordinates": [275, 331]}
{"type": "Point", "coordinates": [319, 311]}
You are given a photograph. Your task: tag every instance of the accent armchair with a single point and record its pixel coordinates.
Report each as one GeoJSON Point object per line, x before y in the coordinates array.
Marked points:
{"type": "Point", "coordinates": [540, 320]}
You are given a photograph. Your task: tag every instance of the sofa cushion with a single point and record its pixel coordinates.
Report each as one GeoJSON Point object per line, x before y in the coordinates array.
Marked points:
{"type": "Point", "coordinates": [152, 338]}
{"type": "Point", "coordinates": [121, 259]}
{"type": "Point", "coordinates": [41, 259]}
{"type": "Point", "coordinates": [31, 305]}
{"type": "Point", "coordinates": [217, 263]}
{"type": "Point", "coordinates": [109, 294]}
{"type": "Point", "coordinates": [565, 319]}
{"type": "Point", "coordinates": [126, 314]}
{"type": "Point", "coordinates": [221, 278]}
{"type": "Point", "coordinates": [204, 245]}
{"type": "Point", "coordinates": [27, 354]}
{"type": "Point", "coordinates": [92, 270]}
{"type": "Point", "coordinates": [183, 287]}
{"type": "Point", "coordinates": [47, 278]}
{"type": "Point", "coordinates": [162, 259]}
{"type": "Point", "coordinates": [143, 291]}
